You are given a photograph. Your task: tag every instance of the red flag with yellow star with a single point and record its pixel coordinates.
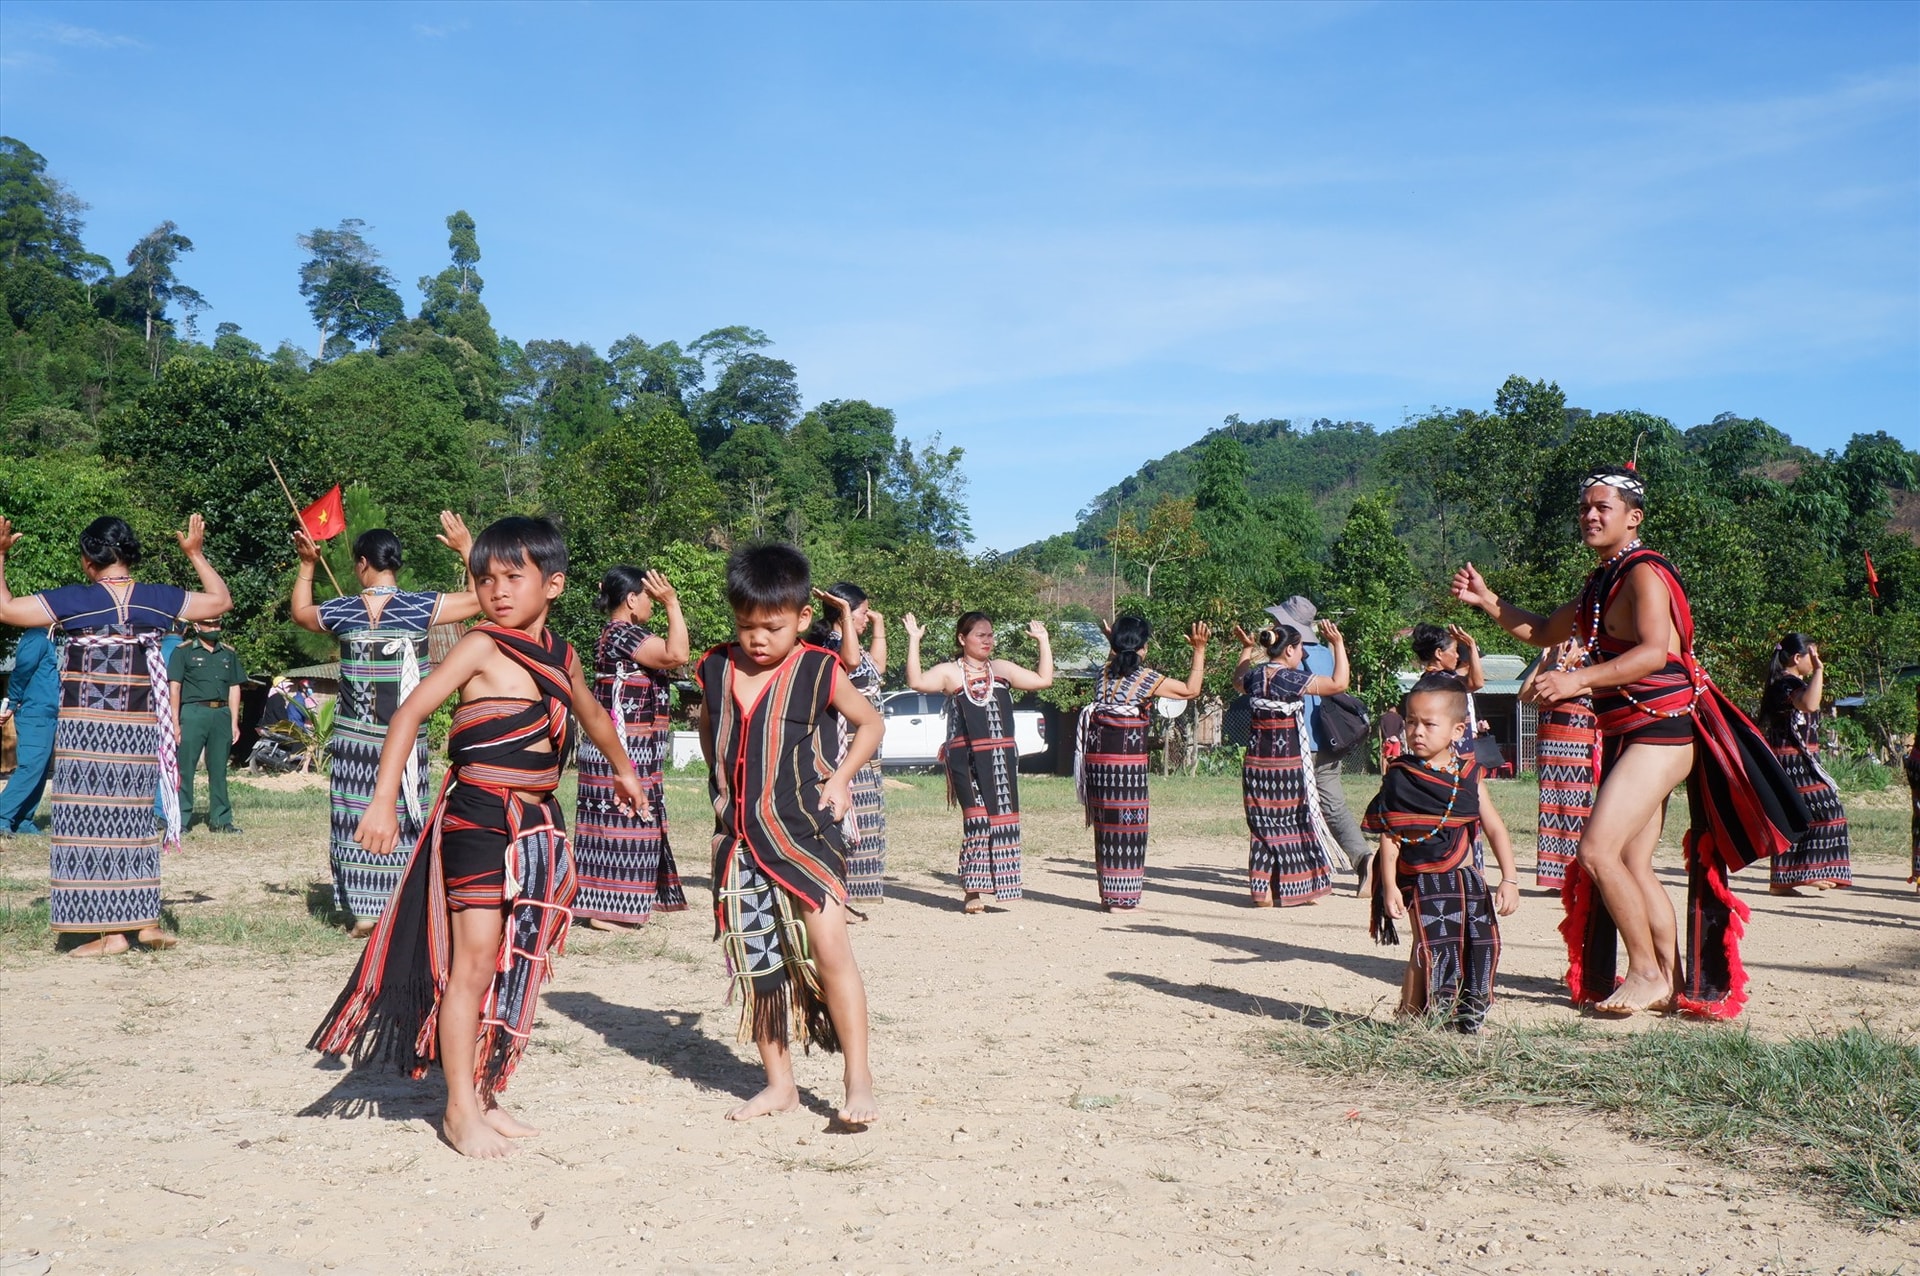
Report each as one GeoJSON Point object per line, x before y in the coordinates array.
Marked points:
{"type": "Point", "coordinates": [326, 518]}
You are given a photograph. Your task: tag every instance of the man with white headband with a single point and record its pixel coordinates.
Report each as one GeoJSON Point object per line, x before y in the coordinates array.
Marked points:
{"type": "Point", "coordinates": [1661, 721]}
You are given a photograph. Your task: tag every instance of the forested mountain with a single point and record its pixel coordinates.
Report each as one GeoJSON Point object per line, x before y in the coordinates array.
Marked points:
{"type": "Point", "coordinates": [658, 452]}
{"type": "Point", "coordinates": [651, 452]}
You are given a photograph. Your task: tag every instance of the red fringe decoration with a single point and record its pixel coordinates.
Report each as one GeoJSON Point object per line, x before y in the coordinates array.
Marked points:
{"type": "Point", "coordinates": [1730, 1005]}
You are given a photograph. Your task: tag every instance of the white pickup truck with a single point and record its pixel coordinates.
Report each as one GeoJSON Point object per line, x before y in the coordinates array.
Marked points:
{"type": "Point", "coordinates": [917, 727]}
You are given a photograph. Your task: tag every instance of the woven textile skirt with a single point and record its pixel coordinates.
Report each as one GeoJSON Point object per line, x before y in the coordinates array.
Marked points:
{"type": "Point", "coordinates": [1115, 768]}
{"type": "Point", "coordinates": [1285, 861]}
{"type": "Point", "coordinates": [625, 862]}
{"type": "Point", "coordinates": [1456, 941]}
{"type": "Point", "coordinates": [106, 842]}
{"type": "Point", "coordinates": [1567, 743]}
{"type": "Point", "coordinates": [867, 856]}
{"type": "Point", "coordinates": [362, 881]}
{"type": "Point", "coordinates": [1824, 854]}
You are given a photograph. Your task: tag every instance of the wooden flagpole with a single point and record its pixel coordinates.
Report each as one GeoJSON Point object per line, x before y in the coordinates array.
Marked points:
{"type": "Point", "coordinates": [296, 518]}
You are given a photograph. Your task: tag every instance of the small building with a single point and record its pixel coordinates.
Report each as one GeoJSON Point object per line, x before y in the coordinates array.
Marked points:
{"type": "Point", "coordinates": [1514, 726]}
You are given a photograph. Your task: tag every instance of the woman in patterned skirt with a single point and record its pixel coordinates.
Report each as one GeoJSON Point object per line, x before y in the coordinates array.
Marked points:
{"type": "Point", "coordinates": [625, 863]}
{"type": "Point", "coordinates": [981, 756]}
{"type": "Point", "coordinates": [1790, 717]}
{"type": "Point", "coordinates": [383, 656]}
{"type": "Point", "coordinates": [848, 616]}
{"type": "Point", "coordinates": [1568, 763]}
{"type": "Point", "coordinates": [1292, 853]}
{"type": "Point", "coordinates": [1110, 755]}
{"type": "Point", "coordinates": [115, 744]}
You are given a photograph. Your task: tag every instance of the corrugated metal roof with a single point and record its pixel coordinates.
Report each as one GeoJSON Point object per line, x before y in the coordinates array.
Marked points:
{"type": "Point", "coordinates": [1503, 675]}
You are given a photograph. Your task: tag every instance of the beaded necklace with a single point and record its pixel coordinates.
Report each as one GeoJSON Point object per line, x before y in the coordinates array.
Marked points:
{"type": "Point", "coordinates": [1453, 773]}
{"type": "Point", "coordinates": [1599, 601]}
{"type": "Point", "coordinates": [968, 679]}
{"type": "Point", "coordinates": [381, 589]}
{"type": "Point", "coordinates": [1599, 595]}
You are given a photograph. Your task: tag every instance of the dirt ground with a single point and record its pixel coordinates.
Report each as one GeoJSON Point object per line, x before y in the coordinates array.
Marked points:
{"type": "Point", "coordinates": [1062, 1089]}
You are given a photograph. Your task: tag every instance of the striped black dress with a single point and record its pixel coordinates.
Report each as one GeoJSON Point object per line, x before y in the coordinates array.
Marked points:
{"type": "Point", "coordinates": [113, 749]}
{"type": "Point", "coordinates": [625, 861]}
{"type": "Point", "coordinates": [381, 662]}
{"type": "Point", "coordinates": [1112, 767]}
{"type": "Point", "coordinates": [1825, 853]}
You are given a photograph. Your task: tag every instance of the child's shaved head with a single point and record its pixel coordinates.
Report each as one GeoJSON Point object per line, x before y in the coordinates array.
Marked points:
{"type": "Point", "coordinates": [1447, 693]}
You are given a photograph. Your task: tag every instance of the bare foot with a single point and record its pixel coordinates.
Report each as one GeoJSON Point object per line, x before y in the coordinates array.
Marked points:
{"type": "Point", "coordinates": [1824, 885]}
{"type": "Point", "coordinates": [601, 923]}
{"type": "Point", "coordinates": [473, 1136]}
{"type": "Point", "coordinates": [154, 937]}
{"type": "Point", "coordinates": [1636, 993]}
{"type": "Point", "coordinates": [507, 1123]}
{"type": "Point", "coordinates": [363, 926]}
{"type": "Point", "coordinates": [860, 1108]}
{"type": "Point", "coordinates": [1783, 890]}
{"type": "Point", "coordinates": [974, 904]}
{"type": "Point", "coordinates": [769, 1102]}
{"type": "Point", "coordinates": [105, 946]}
{"type": "Point", "coordinates": [1364, 886]}
{"type": "Point", "coordinates": [1263, 902]}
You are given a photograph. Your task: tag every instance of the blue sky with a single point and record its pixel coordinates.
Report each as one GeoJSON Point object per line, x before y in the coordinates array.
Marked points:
{"type": "Point", "coordinates": [1067, 238]}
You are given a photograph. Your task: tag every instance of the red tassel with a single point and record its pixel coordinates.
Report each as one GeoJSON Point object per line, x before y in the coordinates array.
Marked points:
{"type": "Point", "coordinates": [1575, 898]}
{"type": "Point", "coordinates": [1730, 1005]}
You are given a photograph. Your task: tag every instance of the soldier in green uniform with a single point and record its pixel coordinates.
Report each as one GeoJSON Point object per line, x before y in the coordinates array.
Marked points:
{"type": "Point", "coordinates": [206, 678]}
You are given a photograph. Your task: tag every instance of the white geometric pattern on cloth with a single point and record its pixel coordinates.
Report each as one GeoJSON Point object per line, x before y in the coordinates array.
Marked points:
{"type": "Point", "coordinates": [118, 648]}
{"type": "Point", "coordinates": [105, 853]}
{"type": "Point", "coordinates": [1329, 844]}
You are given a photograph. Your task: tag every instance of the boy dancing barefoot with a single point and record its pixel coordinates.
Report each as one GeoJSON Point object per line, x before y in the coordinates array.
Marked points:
{"type": "Point", "coordinates": [455, 965]}
{"type": "Point", "coordinates": [1432, 803]}
{"type": "Point", "coordinates": [779, 854]}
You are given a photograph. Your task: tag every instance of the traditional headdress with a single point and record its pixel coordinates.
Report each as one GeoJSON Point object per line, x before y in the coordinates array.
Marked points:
{"type": "Point", "coordinates": [1626, 478]}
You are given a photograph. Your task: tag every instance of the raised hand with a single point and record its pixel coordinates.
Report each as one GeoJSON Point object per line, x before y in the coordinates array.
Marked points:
{"type": "Point", "coordinates": [193, 541]}
{"type": "Point", "coordinates": [1470, 587]}
{"type": "Point", "coordinates": [1331, 635]}
{"type": "Point", "coordinates": [834, 601]}
{"type": "Point", "coordinates": [8, 537]}
{"type": "Point", "coordinates": [657, 587]}
{"type": "Point", "coordinates": [879, 621]}
{"type": "Point", "coordinates": [915, 630]}
{"type": "Point", "coordinates": [454, 534]}
{"type": "Point", "coordinates": [1038, 630]}
{"type": "Point", "coordinates": [1198, 636]}
{"type": "Point", "coordinates": [305, 546]}
{"type": "Point", "coordinates": [1246, 639]}
{"type": "Point", "coordinates": [1461, 637]}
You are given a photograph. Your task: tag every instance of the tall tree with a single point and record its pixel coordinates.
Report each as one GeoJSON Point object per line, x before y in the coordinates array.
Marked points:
{"type": "Point", "coordinates": [40, 219]}
{"type": "Point", "coordinates": [349, 293]}
{"type": "Point", "coordinates": [151, 285]}
{"type": "Point", "coordinates": [664, 374]}
{"type": "Point", "coordinates": [451, 303]}
{"type": "Point", "coordinates": [752, 389]}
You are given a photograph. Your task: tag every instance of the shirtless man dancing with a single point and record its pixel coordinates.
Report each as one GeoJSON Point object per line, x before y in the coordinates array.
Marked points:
{"type": "Point", "coordinates": [1661, 721]}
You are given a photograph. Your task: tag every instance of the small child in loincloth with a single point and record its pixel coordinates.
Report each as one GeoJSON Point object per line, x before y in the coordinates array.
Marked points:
{"type": "Point", "coordinates": [1432, 803]}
